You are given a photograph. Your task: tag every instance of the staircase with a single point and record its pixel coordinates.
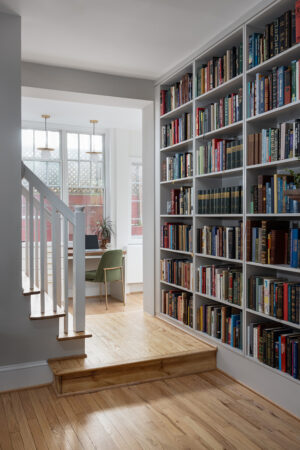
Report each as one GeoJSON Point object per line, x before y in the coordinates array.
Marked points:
{"type": "Point", "coordinates": [47, 290]}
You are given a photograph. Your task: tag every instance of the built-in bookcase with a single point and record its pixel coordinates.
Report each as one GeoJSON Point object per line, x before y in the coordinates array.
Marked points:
{"type": "Point", "coordinates": [241, 174]}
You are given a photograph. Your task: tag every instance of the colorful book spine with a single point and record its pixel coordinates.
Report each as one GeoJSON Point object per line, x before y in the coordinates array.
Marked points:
{"type": "Point", "coordinates": [220, 200]}
{"type": "Point", "coordinates": [178, 272]}
{"type": "Point", "coordinates": [176, 236]}
{"type": "Point", "coordinates": [176, 95]}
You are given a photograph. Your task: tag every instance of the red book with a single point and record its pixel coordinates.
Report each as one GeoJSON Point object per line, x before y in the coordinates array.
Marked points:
{"type": "Point", "coordinates": [297, 13]}
{"type": "Point", "coordinates": [285, 301]}
{"type": "Point", "coordinates": [287, 86]}
{"type": "Point", "coordinates": [283, 352]}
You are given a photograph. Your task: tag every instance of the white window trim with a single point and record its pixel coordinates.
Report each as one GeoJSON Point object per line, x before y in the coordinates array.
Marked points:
{"type": "Point", "coordinates": [132, 240]}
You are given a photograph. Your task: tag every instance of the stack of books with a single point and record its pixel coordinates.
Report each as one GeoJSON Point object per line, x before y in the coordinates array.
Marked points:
{"type": "Point", "coordinates": [222, 282]}
{"type": "Point", "coordinates": [226, 242]}
{"type": "Point", "coordinates": [219, 154]}
{"type": "Point", "coordinates": [178, 130]}
{"type": "Point", "coordinates": [179, 305]}
{"type": "Point", "coordinates": [177, 236]}
{"type": "Point", "coordinates": [176, 95]}
{"type": "Point", "coordinates": [274, 144]}
{"type": "Point", "coordinates": [221, 322]}
{"type": "Point", "coordinates": [220, 200]}
{"type": "Point", "coordinates": [178, 166]}
{"type": "Point", "coordinates": [275, 297]}
{"type": "Point", "coordinates": [268, 196]}
{"type": "Point", "coordinates": [278, 88]}
{"type": "Point", "coordinates": [224, 112]}
{"type": "Point", "coordinates": [177, 271]}
{"type": "Point", "coordinates": [276, 346]}
{"type": "Point", "coordinates": [218, 70]}
{"type": "Point", "coordinates": [181, 202]}
{"type": "Point", "coordinates": [274, 242]}
{"type": "Point", "coordinates": [278, 36]}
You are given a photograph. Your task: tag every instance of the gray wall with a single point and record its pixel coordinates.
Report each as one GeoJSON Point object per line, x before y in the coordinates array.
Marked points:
{"type": "Point", "coordinates": [72, 80]}
{"type": "Point", "coordinates": [21, 340]}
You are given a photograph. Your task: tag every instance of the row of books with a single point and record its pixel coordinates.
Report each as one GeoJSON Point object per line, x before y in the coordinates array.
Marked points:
{"type": "Point", "coordinates": [224, 112]}
{"type": "Point", "coordinates": [179, 305]}
{"type": "Point", "coordinates": [219, 154]}
{"type": "Point", "coordinates": [177, 130]}
{"type": "Point", "coordinates": [276, 346]}
{"type": "Point", "coordinates": [222, 282]}
{"type": "Point", "coordinates": [177, 271]}
{"type": "Point", "coordinates": [269, 195]}
{"type": "Point", "coordinates": [274, 144]}
{"type": "Point", "coordinates": [279, 35]}
{"type": "Point", "coordinates": [276, 242]}
{"type": "Point", "coordinates": [275, 297]}
{"type": "Point", "coordinates": [226, 242]}
{"type": "Point", "coordinates": [177, 236]}
{"type": "Point", "coordinates": [221, 322]}
{"type": "Point", "coordinates": [181, 201]}
{"type": "Point", "coordinates": [176, 95]}
{"type": "Point", "coordinates": [178, 166]}
{"type": "Point", "coordinates": [278, 88]}
{"type": "Point", "coordinates": [218, 70]}
{"type": "Point", "coordinates": [221, 200]}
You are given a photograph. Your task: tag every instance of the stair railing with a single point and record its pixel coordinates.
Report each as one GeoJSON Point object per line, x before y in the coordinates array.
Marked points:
{"type": "Point", "coordinates": [43, 207]}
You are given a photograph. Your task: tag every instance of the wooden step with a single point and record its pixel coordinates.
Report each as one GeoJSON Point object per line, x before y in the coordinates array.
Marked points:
{"type": "Point", "coordinates": [78, 380]}
{"type": "Point", "coordinates": [48, 314]}
{"type": "Point", "coordinates": [70, 335]}
{"type": "Point", "coordinates": [26, 286]}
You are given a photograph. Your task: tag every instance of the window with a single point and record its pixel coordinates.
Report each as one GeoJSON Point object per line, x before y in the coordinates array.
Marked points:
{"type": "Point", "coordinates": [86, 177]}
{"type": "Point", "coordinates": [83, 182]}
{"type": "Point", "coordinates": [136, 198]}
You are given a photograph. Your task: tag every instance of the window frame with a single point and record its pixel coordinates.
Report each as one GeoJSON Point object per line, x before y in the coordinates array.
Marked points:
{"type": "Point", "coordinates": [64, 130]}
{"type": "Point", "coordinates": [134, 239]}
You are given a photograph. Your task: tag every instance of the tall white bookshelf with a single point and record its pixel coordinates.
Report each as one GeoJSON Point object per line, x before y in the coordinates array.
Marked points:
{"type": "Point", "coordinates": [244, 176]}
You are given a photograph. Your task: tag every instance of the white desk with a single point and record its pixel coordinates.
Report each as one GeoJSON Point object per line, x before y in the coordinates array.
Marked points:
{"type": "Point", "coordinates": [92, 259]}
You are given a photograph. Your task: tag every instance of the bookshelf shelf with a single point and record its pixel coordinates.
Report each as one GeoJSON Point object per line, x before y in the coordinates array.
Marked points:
{"type": "Point", "coordinates": [284, 58]}
{"type": "Point", "coordinates": [221, 258]}
{"type": "Point", "coordinates": [221, 89]}
{"type": "Point", "coordinates": [280, 164]}
{"type": "Point", "coordinates": [176, 286]}
{"type": "Point", "coordinates": [274, 370]}
{"type": "Point", "coordinates": [225, 131]}
{"type": "Point", "coordinates": [275, 113]}
{"type": "Point", "coordinates": [266, 316]}
{"type": "Point", "coordinates": [178, 180]}
{"type": "Point", "coordinates": [176, 146]}
{"type": "Point", "coordinates": [180, 109]}
{"type": "Point", "coordinates": [216, 299]}
{"type": "Point", "coordinates": [283, 267]}
{"type": "Point", "coordinates": [245, 176]}
{"type": "Point", "coordinates": [222, 173]}
{"type": "Point", "coordinates": [176, 251]}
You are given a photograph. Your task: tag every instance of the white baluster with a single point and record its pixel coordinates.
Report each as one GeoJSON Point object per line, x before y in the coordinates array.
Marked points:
{"type": "Point", "coordinates": [31, 238]}
{"type": "Point", "coordinates": [58, 258]}
{"type": "Point", "coordinates": [66, 274]}
{"type": "Point", "coordinates": [27, 237]}
{"type": "Point", "coordinates": [54, 259]}
{"type": "Point", "coordinates": [43, 267]}
{"type": "Point", "coordinates": [36, 249]}
{"type": "Point", "coordinates": [79, 270]}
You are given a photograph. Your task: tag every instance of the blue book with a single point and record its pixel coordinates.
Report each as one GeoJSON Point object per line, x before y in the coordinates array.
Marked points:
{"type": "Point", "coordinates": [261, 95]}
{"type": "Point", "coordinates": [294, 247]}
{"type": "Point", "coordinates": [272, 194]}
{"type": "Point", "coordinates": [280, 75]}
{"type": "Point", "coordinates": [280, 195]}
{"type": "Point", "coordinates": [268, 198]}
{"type": "Point", "coordinates": [234, 319]}
{"type": "Point", "coordinates": [254, 236]}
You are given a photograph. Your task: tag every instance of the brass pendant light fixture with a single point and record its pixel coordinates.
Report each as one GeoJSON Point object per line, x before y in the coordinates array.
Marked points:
{"type": "Point", "coordinates": [46, 149]}
{"type": "Point", "coordinates": [93, 152]}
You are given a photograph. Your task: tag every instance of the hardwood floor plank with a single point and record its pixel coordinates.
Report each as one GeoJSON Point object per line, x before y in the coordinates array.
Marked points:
{"type": "Point", "coordinates": [22, 421]}
{"type": "Point", "coordinates": [5, 440]}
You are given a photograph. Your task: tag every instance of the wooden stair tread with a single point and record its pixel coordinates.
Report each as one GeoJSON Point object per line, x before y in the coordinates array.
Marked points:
{"type": "Point", "coordinates": [49, 313]}
{"type": "Point", "coordinates": [71, 334]}
{"type": "Point", "coordinates": [87, 369]}
{"type": "Point", "coordinates": [26, 286]}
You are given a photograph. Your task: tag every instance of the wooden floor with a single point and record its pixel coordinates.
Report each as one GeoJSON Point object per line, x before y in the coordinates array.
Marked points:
{"type": "Point", "coordinates": [129, 334]}
{"type": "Point", "coordinates": [96, 305]}
{"type": "Point", "coordinates": [206, 411]}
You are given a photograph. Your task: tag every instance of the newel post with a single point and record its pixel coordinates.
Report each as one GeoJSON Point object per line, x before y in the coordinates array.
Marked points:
{"type": "Point", "coordinates": [79, 270]}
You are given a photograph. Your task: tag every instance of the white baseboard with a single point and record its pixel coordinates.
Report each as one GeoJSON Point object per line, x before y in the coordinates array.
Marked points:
{"type": "Point", "coordinates": [134, 287]}
{"type": "Point", "coordinates": [18, 376]}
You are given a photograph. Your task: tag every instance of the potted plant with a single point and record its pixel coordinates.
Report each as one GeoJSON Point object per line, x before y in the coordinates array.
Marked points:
{"type": "Point", "coordinates": [104, 231]}
{"type": "Point", "coordinates": [294, 194]}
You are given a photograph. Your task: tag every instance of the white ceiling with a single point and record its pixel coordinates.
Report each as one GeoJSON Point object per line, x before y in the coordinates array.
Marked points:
{"type": "Point", "coordinates": [140, 38]}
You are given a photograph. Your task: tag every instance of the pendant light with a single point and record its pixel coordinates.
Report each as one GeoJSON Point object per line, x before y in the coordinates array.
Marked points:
{"type": "Point", "coordinates": [94, 154]}
{"type": "Point", "coordinates": [46, 149]}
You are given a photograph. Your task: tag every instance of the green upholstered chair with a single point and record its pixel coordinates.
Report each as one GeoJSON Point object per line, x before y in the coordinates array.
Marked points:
{"type": "Point", "coordinates": [110, 269]}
